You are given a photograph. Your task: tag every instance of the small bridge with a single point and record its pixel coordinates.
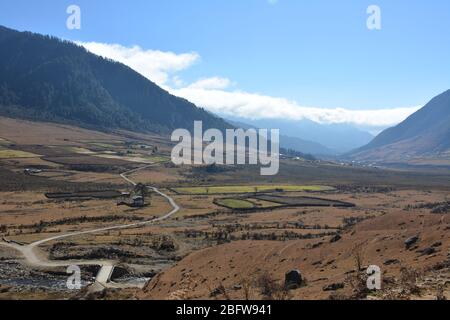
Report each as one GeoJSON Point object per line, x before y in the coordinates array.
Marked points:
{"type": "Point", "coordinates": [104, 275]}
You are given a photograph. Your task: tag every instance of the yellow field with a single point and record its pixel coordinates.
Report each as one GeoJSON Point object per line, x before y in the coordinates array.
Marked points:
{"type": "Point", "coordinates": [11, 154]}
{"type": "Point", "coordinates": [134, 158]}
{"type": "Point", "coordinates": [105, 145]}
{"type": "Point", "coordinates": [249, 189]}
{"type": "Point", "coordinates": [80, 150]}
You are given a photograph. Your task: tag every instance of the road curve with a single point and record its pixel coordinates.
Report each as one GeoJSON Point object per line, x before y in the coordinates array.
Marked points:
{"type": "Point", "coordinates": [28, 251]}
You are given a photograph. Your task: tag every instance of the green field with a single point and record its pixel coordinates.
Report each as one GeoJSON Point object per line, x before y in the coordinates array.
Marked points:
{"type": "Point", "coordinates": [249, 189]}
{"type": "Point", "coordinates": [235, 203]}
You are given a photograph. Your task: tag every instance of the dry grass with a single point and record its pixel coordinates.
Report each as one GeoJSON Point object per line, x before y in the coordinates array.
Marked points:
{"type": "Point", "coordinates": [408, 280]}
{"type": "Point", "coordinates": [271, 289]}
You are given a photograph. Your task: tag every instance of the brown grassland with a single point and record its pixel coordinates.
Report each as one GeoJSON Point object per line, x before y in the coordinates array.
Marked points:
{"type": "Point", "coordinates": [208, 250]}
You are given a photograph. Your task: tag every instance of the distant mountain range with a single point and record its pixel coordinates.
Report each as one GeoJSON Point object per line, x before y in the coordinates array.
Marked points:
{"type": "Point", "coordinates": [312, 137]}
{"type": "Point", "coordinates": [44, 78]}
{"type": "Point", "coordinates": [425, 134]}
{"type": "Point", "coordinates": [288, 142]}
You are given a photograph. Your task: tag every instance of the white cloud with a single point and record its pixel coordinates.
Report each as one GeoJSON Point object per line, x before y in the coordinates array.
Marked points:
{"type": "Point", "coordinates": [214, 83]}
{"type": "Point", "coordinates": [257, 106]}
{"type": "Point", "coordinates": [177, 81]}
{"type": "Point", "coordinates": [152, 64]}
{"type": "Point", "coordinates": [214, 93]}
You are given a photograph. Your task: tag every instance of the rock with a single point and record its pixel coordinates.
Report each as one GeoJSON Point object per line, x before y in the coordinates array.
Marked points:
{"type": "Point", "coordinates": [391, 261]}
{"type": "Point", "coordinates": [4, 289]}
{"type": "Point", "coordinates": [336, 238]}
{"type": "Point", "coordinates": [441, 265]}
{"type": "Point", "coordinates": [293, 279]}
{"type": "Point", "coordinates": [317, 245]}
{"type": "Point", "coordinates": [411, 241]}
{"type": "Point", "coordinates": [427, 251]}
{"type": "Point", "coordinates": [334, 287]}
{"type": "Point", "coordinates": [95, 288]}
{"type": "Point", "coordinates": [217, 291]}
{"type": "Point", "coordinates": [364, 268]}
{"type": "Point", "coordinates": [436, 244]}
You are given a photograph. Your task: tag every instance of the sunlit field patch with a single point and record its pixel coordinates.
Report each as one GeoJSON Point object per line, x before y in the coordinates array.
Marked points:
{"type": "Point", "coordinates": [80, 150]}
{"type": "Point", "coordinates": [11, 154]}
{"type": "Point", "coordinates": [4, 141]}
{"type": "Point", "coordinates": [105, 145]}
{"type": "Point", "coordinates": [134, 158]}
{"type": "Point", "coordinates": [250, 189]}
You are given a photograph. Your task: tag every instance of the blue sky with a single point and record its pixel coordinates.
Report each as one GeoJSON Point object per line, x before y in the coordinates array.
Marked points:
{"type": "Point", "coordinates": [313, 54]}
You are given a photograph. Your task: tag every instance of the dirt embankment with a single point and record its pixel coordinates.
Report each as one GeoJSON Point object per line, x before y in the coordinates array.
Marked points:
{"type": "Point", "coordinates": [232, 270]}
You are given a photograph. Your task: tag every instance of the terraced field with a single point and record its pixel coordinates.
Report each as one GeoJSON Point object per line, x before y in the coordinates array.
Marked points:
{"type": "Point", "coordinates": [235, 203]}
{"type": "Point", "coordinates": [304, 201]}
{"type": "Point", "coordinates": [266, 201]}
{"type": "Point", "coordinates": [119, 153]}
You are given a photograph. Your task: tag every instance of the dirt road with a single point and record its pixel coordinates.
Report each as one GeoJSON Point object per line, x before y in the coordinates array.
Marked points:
{"type": "Point", "coordinates": [37, 260]}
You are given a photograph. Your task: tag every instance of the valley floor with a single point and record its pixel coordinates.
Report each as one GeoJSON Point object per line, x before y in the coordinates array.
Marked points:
{"type": "Point", "coordinates": [231, 239]}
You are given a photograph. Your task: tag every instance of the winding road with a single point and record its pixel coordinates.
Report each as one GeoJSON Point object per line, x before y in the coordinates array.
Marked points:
{"type": "Point", "coordinates": [107, 266]}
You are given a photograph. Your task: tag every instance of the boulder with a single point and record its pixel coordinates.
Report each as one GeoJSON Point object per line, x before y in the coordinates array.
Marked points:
{"type": "Point", "coordinates": [411, 241]}
{"type": "Point", "coordinates": [436, 245]}
{"type": "Point", "coordinates": [391, 261]}
{"type": "Point", "coordinates": [293, 279]}
{"type": "Point", "coordinates": [334, 287]}
{"type": "Point", "coordinates": [427, 251]}
{"type": "Point", "coordinates": [336, 238]}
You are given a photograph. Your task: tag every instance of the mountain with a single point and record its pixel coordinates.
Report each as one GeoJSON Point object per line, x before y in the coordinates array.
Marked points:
{"type": "Point", "coordinates": [305, 146]}
{"type": "Point", "coordinates": [44, 78]}
{"type": "Point", "coordinates": [292, 143]}
{"type": "Point", "coordinates": [328, 139]}
{"type": "Point", "coordinates": [425, 134]}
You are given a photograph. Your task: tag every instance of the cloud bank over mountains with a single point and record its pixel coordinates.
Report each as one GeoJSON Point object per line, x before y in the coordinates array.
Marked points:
{"type": "Point", "coordinates": [220, 95]}
{"type": "Point", "coordinates": [153, 64]}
